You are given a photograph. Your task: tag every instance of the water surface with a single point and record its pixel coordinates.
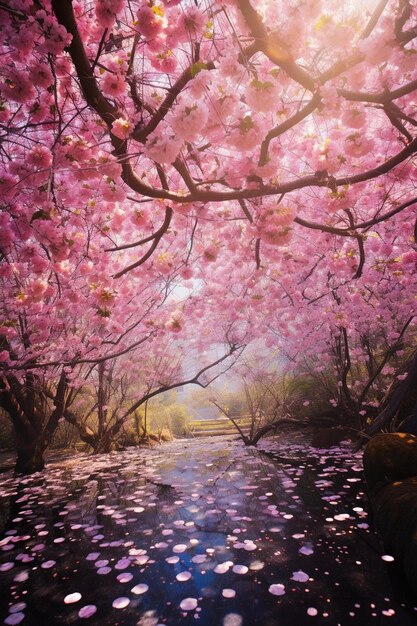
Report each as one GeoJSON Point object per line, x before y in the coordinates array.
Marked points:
{"type": "Point", "coordinates": [202, 532]}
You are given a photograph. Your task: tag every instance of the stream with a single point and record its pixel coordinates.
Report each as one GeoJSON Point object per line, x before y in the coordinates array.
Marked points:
{"type": "Point", "coordinates": [203, 532]}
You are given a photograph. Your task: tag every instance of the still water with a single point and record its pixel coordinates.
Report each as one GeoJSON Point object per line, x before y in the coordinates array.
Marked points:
{"type": "Point", "coordinates": [202, 532]}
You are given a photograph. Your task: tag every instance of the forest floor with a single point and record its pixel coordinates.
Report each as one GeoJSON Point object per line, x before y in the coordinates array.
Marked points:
{"type": "Point", "coordinates": [203, 532]}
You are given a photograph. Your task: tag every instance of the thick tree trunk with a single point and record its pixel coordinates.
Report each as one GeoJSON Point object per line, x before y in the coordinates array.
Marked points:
{"type": "Point", "coordinates": [104, 444]}
{"type": "Point", "coordinates": [398, 399]}
{"type": "Point", "coordinates": [30, 448]}
{"type": "Point", "coordinates": [29, 459]}
{"type": "Point", "coordinates": [101, 444]}
{"type": "Point", "coordinates": [28, 433]}
{"type": "Point", "coordinates": [85, 433]}
{"type": "Point", "coordinates": [26, 407]}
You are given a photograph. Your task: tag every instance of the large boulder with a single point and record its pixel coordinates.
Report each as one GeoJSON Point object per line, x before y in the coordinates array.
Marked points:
{"type": "Point", "coordinates": [389, 457]}
{"type": "Point", "coordinates": [390, 464]}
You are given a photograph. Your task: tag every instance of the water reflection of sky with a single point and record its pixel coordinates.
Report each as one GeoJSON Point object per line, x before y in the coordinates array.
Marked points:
{"type": "Point", "coordinates": [203, 532]}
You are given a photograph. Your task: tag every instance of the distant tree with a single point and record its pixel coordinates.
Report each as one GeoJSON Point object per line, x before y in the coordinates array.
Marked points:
{"type": "Point", "coordinates": [349, 375]}
{"type": "Point", "coordinates": [120, 391]}
{"type": "Point", "coordinates": [179, 420]}
{"type": "Point", "coordinates": [260, 405]}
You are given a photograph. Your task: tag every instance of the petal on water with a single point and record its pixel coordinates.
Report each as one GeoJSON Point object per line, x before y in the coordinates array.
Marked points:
{"type": "Point", "coordinates": [120, 603]}
{"type": "Point", "coordinates": [139, 589]}
{"type": "Point", "coordinates": [312, 611]}
{"type": "Point", "coordinates": [188, 604]}
{"type": "Point", "coordinates": [174, 559]}
{"type": "Point", "coordinates": [232, 619]}
{"type": "Point", "coordinates": [18, 607]}
{"type": "Point", "coordinates": [198, 558]}
{"type": "Point", "coordinates": [14, 618]}
{"type": "Point", "coordinates": [72, 597]}
{"type": "Point", "coordinates": [300, 576]}
{"type": "Point", "coordinates": [277, 589]}
{"type": "Point", "coordinates": [125, 577]}
{"type": "Point", "coordinates": [87, 611]}
{"type": "Point", "coordinates": [180, 547]}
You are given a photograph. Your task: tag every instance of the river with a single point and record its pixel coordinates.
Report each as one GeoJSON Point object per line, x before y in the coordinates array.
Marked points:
{"type": "Point", "coordinates": [204, 532]}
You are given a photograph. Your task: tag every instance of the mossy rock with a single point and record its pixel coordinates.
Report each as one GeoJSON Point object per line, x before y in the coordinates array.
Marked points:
{"type": "Point", "coordinates": [389, 457]}
{"type": "Point", "coordinates": [390, 463]}
{"type": "Point", "coordinates": [395, 516]}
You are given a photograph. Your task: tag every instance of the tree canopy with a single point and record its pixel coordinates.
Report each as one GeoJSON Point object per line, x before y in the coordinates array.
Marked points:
{"type": "Point", "coordinates": [212, 172]}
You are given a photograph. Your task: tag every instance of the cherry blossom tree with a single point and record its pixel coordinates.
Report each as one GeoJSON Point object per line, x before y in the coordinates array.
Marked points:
{"type": "Point", "coordinates": [260, 157]}
{"type": "Point", "coordinates": [353, 337]}
{"type": "Point", "coordinates": [81, 330]}
{"type": "Point", "coordinates": [121, 387]}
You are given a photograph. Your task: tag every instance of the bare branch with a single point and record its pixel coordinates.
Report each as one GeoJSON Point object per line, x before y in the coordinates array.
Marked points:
{"type": "Point", "coordinates": [388, 354]}
{"type": "Point", "coordinates": [258, 253]}
{"type": "Point", "coordinates": [156, 235]}
{"type": "Point", "coordinates": [188, 74]}
{"type": "Point", "coordinates": [373, 21]}
{"type": "Point", "coordinates": [189, 381]}
{"type": "Point", "coordinates": [285, 126]}
{"type": "Point", "coordinates": [73, 362]}
{"type": "Point", "coordinates": [156, 239]}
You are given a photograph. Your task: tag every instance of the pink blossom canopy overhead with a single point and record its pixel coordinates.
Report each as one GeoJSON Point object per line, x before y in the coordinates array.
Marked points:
{"type": "Point", "coordinates": [214, 171]}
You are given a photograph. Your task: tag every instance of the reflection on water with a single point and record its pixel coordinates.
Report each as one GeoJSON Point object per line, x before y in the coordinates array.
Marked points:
{"type": "Point", "coordinates": [198, 532]}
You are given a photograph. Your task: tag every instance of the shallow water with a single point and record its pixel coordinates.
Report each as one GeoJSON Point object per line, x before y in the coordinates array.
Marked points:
{"type": "Point", "coordinates": [199, 532]}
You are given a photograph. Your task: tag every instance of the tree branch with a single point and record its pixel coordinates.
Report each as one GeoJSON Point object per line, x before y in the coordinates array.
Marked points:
{"type": "Point", "coordinates": [156, 235]}
{"type": "Point", "coordinates": [189, 381]}
{"type": "Point", "coordinates": [272, 46]}
{"type": "Point", "coordinates": [64, 13]}
{"type": "Point", "coordinates": [390, 351]}
{"type": "Point", "coordinates": [140, 134]}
